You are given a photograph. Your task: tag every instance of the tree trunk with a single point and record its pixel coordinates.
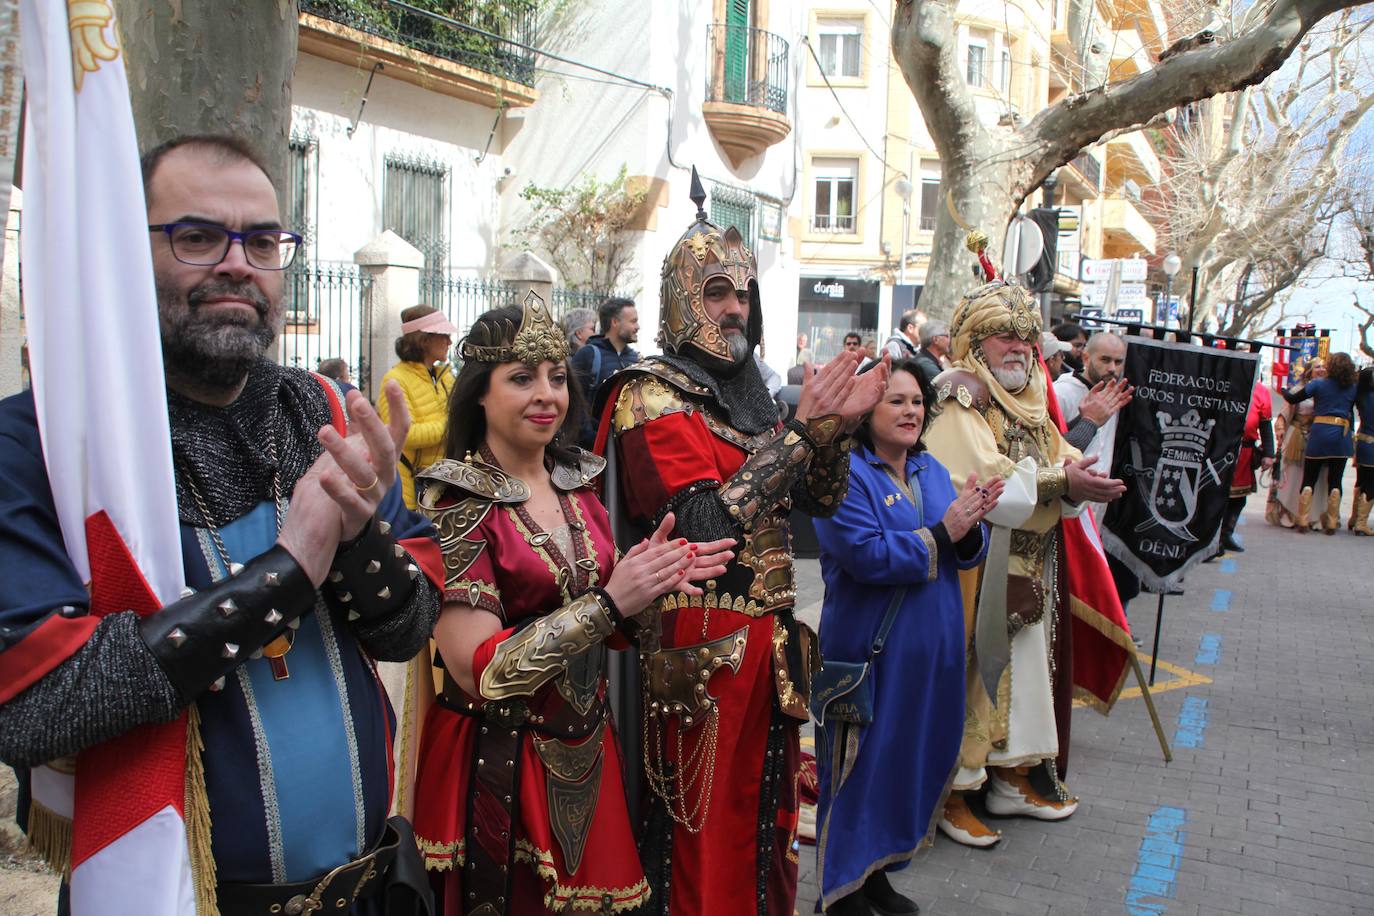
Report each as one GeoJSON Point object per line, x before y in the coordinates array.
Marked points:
{"type": "Point", "coordinates": [209, 66]}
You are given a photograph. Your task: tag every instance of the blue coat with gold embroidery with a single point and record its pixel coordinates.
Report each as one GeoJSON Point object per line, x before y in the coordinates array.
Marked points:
{"type": "Point", "coordinates": [882, 786]}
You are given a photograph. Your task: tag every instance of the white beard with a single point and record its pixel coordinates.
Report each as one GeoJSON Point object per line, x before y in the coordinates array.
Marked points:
{"type": "Point", "coordinates": [1012, 379]}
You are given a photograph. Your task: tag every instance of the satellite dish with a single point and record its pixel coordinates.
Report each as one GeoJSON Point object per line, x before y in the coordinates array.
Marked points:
{"type": "Point", "coordinates": [1024, 246]}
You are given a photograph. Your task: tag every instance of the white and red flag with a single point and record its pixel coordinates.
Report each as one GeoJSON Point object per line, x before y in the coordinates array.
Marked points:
{"type": "Point", "coordinates": [96, 368]}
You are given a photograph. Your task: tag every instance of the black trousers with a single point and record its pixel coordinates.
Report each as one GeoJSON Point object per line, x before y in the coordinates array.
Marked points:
{"type": "Point", "coordinates": [1312, 469]}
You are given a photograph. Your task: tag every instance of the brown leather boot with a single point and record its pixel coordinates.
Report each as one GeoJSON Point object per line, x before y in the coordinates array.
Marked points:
{"type": "Point", "coordinates": [961, 825]}
{"type": "Point", "coordinates": [1360, 517]}
{"type": "Point", "coordinates": [1304, 520]}
{"type": "Point", "coordinates": [1331, 518]}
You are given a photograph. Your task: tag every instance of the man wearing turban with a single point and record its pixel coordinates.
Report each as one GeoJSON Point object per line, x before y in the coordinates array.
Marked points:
{"type": "Point", "coordinates": [995, 421]}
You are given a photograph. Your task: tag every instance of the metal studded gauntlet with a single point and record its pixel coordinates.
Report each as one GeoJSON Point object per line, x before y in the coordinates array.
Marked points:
{"type": "Point", "coordinates": [768, 474]}
{"type": "Point", "coordinates": [204, 636]}
{"type": "Point", "coordinates": [527, 660]}
{"type": "Point", "coordinates": [373, 575]}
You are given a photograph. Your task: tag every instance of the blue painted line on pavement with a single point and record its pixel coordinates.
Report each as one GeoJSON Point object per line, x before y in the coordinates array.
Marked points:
{"type": "Point", "coordinates": [1228, 566]}
{"type": "Point", "coordinates": [1156, 866]}
{"type": "Point", "coordinates": [1208, 650]}
{"type": "Point", "coordinates": [1192, 723]}
{"type": "Point", "coordinates": [1221, 599]}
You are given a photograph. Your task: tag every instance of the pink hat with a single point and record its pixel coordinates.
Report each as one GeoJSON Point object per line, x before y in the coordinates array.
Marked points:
{"type": "Point", "coordinates": [433, 323]}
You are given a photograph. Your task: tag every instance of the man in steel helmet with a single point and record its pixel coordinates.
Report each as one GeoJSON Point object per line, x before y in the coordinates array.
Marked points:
{"type": "Point", "coordinates": [725, 675]}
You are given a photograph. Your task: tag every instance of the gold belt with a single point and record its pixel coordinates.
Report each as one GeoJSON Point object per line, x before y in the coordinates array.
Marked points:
{"type": "Point", "coordinates": [1342, 422]}
{"type": "Point", "coordinates": [1364, 437]}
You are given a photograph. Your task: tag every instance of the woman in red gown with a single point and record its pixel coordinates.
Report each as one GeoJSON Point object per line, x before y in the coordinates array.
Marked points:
{"type": "Point", "coordinates": [519, 802]}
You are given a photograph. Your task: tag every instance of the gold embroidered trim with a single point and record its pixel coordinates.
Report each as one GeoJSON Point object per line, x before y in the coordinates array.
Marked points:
{"type": "Point", "coordinates": [476, 593]}
{"type": "Point", "coordinates": [932, 553]}
{"type": "Point", "coordinates": [583, 896]}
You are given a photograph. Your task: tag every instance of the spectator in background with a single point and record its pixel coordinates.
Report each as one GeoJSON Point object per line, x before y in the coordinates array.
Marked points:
{"type": "Point", "coordinates": [934, 354]}
{"type": "Point", "coordinates": [1053, 349]}
{"type": "Point", "coordinates": [852, 341]}
{"type": "Point", "coordinates": [426, 379]}
{"type": "Point", "coordinates": [337, 369]}
{"type": "Point", "coordinates": [904, 342]}
{"type": "Point", "coordinates": [1077, 339]}
{"type": "Point", "coordinates": [603, 356]}
{"type": "Point", "coordinates": [579, 325]}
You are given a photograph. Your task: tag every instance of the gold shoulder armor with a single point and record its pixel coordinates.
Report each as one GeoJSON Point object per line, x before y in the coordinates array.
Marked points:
{"type": "Point", "coordinates": [456, 496]}
{"type": "Point", "coordinates": [646, 397]}
{"type": "Point", "coordinates": [571, 475]}
{"type": "Point", "coordinates": [964, 387]}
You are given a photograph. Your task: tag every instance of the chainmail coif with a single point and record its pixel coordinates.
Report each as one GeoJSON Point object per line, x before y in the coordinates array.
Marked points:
{"type": "Point", "coordinates": [227, 450]}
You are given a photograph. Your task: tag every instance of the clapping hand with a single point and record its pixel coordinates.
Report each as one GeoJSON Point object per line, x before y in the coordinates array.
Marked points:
{"type": "Point", "coordinates": [973, 502]}
{"type": "Point", "coordinates": [1104, 399]}
{"type": "Point", "coordinates": [365, 462]}
{"type": "Point", "coordinates": [658, 565]}
{"type": "Point", "coordinates": [836, 389]}
{"type": "Point", "coordinates": [1092, 486]}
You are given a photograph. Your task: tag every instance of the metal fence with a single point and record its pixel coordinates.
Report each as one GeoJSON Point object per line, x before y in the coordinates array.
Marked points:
{"type": "Point", "coordinates": [463, 298]}
{"type": "Point", "coordinates": [748, 66]}
{"type": "Point", "coordinates": [326, 318]}
{"type": "Point", "coordinates": [494, 36]}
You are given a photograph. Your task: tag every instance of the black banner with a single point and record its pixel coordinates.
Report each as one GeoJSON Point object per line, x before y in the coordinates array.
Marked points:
{"type": "Point", "coordinates": [1176, 448]}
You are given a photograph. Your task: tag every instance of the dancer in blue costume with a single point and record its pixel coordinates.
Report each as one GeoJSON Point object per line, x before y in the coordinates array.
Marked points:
{"type": "Point", "coordinates": [1330, 443]}
{"type": "Point", "coordinates": [902, 529]}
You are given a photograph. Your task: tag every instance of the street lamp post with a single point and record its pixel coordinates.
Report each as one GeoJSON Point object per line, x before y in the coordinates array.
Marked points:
{"type": "Point", "coordinates": [903, 189]}
{"type": "Point", "coordinates": [1172, 265]}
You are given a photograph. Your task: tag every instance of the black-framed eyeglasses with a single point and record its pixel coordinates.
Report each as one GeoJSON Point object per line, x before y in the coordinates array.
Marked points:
{"type": "Point", "coordinates": [206, 244]}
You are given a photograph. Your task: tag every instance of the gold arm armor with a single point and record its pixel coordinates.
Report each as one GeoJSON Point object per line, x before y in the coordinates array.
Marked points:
{"type": "Point", "coordinates": [826, 482]}
{"type": "Point", "coordinates": [540, 652]}
{"type": "Point", "coordinates": [1051, 484]}
{"type": "Point", "coordinates": [654, 392]}
{"type": "Point", "coordinates": [767, 475]}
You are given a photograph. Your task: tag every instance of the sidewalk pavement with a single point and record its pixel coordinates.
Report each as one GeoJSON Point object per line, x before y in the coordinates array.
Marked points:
{"type": "Point", "coordinates": [1266, 692]}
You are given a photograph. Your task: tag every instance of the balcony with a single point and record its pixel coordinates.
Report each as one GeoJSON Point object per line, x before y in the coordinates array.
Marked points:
{"type": "Point", "coordinates": [1083, 176]}
{"type": "Point", "coordinates": [1130, 156]}
{"type": "Point", "coordinates": [474, 53]}
{"type": "Point", "coordinates": [746, 98]}
{"type": "Point", "coordinates": [1125, 230]}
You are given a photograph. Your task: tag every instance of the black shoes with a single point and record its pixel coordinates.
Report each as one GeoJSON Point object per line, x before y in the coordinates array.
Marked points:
{"type": "Point", "coordinates": [875, 898]}
{"type": "Point", "coordinates": [1229, 542]}
{"type": "Point", "coordinates": [884, 900]}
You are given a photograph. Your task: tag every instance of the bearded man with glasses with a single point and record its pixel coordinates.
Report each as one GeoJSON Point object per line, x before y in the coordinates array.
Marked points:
{"type": "Point", "coordinates": [303, 568]}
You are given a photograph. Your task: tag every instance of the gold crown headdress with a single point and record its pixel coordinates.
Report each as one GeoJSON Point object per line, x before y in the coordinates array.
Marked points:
{"type": "Point", "coordinates": [993, 308]}
{"type": "Point", "coordinates": [538, 338]}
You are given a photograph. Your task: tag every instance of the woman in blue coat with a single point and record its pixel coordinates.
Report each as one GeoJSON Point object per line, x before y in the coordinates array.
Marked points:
{"type": "Point", "coordinates": [902, 532]}
{"type": "Point", "coordinates": [1364, 454]}
{"type": "Point", "coordinates": [1329, 443]}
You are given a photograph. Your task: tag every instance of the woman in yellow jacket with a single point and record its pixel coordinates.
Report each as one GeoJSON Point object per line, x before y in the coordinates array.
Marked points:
{"type": "Point", "coordinates": [426, 378]}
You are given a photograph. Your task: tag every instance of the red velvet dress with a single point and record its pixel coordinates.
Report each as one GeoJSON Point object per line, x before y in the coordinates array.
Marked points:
{"type": "Point", "coordinates": [518, 581]}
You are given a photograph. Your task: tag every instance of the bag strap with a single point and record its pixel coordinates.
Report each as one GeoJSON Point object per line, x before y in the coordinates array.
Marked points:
{"type": "Point", "coordinates": [596, 370]}
{"type": "Point", "coordinates": [890, 616]}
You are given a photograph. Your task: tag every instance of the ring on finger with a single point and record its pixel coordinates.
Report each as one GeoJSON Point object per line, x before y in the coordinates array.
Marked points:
{"type": "Point", "coordinates": [376, 479]}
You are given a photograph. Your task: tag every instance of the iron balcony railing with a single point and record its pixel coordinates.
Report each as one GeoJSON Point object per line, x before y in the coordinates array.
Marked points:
{"type": "Point", "coordinates": [748, 67]}
{"type": "Point", "coordinates": [494, 36]}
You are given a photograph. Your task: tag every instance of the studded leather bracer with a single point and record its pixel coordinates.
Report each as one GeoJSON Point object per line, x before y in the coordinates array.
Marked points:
{"type": "Point", "coordinates": [826, 481]}
{"type": "Point", "coordinates": [204, 636]}
{"type": "Point", "coordinates": [373, 576]}
{"type": "Point", "coordinates": [769, 474]}
{"type": "Point", "coordinates": [532, 657]}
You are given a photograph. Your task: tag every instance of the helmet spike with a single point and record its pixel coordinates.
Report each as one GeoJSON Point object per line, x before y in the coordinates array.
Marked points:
{"type": "Point", "coordinates": [698, 195]}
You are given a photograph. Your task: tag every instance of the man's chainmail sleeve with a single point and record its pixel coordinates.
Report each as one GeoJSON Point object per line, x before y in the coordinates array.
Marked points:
{"type": "Point", "coordinates": [106, 688]}
{"type": "Point", "coordinates": [701, 516]}
{"type": "Point", "coordinates": [399, 635]}
{"type": "Point", "coordinates": [1081, 432]}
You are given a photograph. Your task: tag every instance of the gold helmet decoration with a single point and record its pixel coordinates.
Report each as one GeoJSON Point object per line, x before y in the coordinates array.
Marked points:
{"type": "Point", "coordinates": [703, 253]}
{"type": "Point", "coordinates": [538, 338]}
{"type": "Point", "coordinates": [993, 308]}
